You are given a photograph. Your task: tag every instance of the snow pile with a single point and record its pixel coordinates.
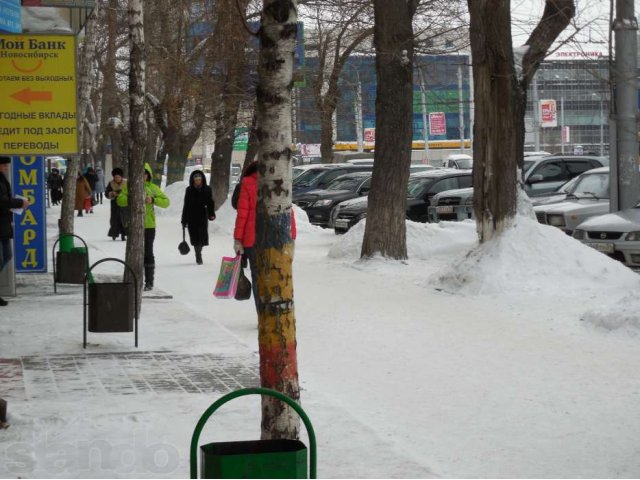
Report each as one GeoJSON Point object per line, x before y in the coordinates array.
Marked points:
{"type": "Point", "coordinates": [303, 225]}
{"type": "Point", "coordinates": [623, 314]}
{"type": "Point", "coordinates": [175, 192]}
{"type": "Point", "coordinates": [530, 258]}
{"type": "Point", "coordinates": [424, 240]}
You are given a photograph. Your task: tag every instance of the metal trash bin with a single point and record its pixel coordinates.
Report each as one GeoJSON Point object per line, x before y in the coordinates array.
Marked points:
{"type": "Point", "coordinates": [255, 458]}
{"type": "Point", "coordinates": [70, 264]}
{"type": "Point", "coordinates": [110, 306]}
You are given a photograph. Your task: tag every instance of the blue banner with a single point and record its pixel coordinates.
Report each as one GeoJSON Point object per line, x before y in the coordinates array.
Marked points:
{"type": "Point", "coordinates": [10, 16]}
{"type": "Point", "coordinates": [30, 236]}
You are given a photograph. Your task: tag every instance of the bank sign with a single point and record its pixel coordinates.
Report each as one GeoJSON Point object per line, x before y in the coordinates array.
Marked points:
{"type": "Point", "coordinates": [38, 95]}
{"type": "Point", "coordinates": [30, 227]}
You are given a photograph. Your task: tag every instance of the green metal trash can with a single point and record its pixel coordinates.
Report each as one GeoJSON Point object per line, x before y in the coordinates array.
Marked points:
{"type": "Point", "coordinates": [254, 458]}
{"type": "Point", "coordinates": [70, 264]}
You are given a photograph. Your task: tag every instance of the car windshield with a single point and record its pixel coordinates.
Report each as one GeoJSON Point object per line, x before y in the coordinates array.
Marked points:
{"type": "Point", "coordinates": [594, 185]}
{"type": "Point", "coordinates": [528, 164]}
{"type": "Point", "coordinates": [298, 171]}
{"type": "Point", "coordinates": [418, 186]}
{"type": "Point", "coordinates": [309, 177]}
{"type": "Point", "coordinates": [465, 163]}
{"type": "Point", "coordinates": [348, 183]}
{"type": "Point", "coordinates": [569, 186]}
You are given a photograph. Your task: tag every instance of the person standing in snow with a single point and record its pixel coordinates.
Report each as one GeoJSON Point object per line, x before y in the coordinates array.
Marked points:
{"type": "Point", "coordinates": [55, 184]}
{"type": "Point", "coordinates": [83, 194]}
{"type": "Point", "coordinates": [7, 202]}
{"type": "Point", "coordinates": [117, 219]}
{"type": "Point", "coordinates": [92, 179]}
{"type": "Point", "coordinates": [100, 188]}
{"type": "Point", "coordinates": [154, 197]}
{"type": "Point", "coordinates": [197, 211]}
{"type": "Point", "coordinates": [244, 234]}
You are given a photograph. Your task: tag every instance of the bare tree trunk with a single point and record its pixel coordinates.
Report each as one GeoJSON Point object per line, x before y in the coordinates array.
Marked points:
{"type": "Point", "coordinates": [385, 231]}
{"type": "Point", "coordinates": [69, 195]}
{"type": "Point", "coordinates": [253, 144]}
{"type": "Point", "coordinates": [500, 103]}
{"type": "Point", "coordinates": [326, 135]}
{"type": "Point", "coordinates": [221, 156]}
{"type": "Point", "coordinates": [276, 319]}
{"type": "Point", "coordinates": [138, 134]}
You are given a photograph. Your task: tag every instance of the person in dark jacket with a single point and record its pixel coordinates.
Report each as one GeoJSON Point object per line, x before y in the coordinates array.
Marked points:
{"type": "Point", "coordinates": [118, 220]}
{"type": "Point", "coordinates": [92, 179]}
{"type": "Point", "coordinates": [55, 183]}
{"type": "Point", "coordinates": [198, 209]}
{"type": "Point", "coordinates": [7, 202]}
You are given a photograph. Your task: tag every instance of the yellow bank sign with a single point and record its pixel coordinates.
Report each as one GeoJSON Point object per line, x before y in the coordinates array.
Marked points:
{"type": "Point", "coordinates": [38, 95]}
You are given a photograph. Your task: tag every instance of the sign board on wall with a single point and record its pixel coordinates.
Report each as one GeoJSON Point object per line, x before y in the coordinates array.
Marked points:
{"type": "Point", "coordinates": [38, 95]}
{"type": "Point", "coordinates": [437, 123]}
{"type": "Point", "coordinates": [30, 228]}
{"type": "Point", "coordinates": [10, 16]}
{"type": "Point", "coordinates": [548, 114]}
{"type": "Point", "coordinates": [566, 134]}
{"type": "Point", "coordinates": [310, 150]}
{"type": "Point", "coordinates": [370, 135]}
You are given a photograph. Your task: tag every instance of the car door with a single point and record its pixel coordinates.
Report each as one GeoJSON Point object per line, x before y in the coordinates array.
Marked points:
{"type": "Point", "coordinates": [546, 177]}
{"type": "Point", "coordinates": [421, 211]}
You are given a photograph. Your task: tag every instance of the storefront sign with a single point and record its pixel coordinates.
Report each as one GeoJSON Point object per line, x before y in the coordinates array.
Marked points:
{"type": "Point", "coordinates": [30, 227]}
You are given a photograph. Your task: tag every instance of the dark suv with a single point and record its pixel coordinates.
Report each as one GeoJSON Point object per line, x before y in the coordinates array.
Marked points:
{"type": "Point", "coordinates": [321, 176]}
{"type": "Point", "coordinates": [421, 189]}
{"type": "Point", "coordinates": [319, 203]}
{"type": "Point", "coordinates": [545, 174]}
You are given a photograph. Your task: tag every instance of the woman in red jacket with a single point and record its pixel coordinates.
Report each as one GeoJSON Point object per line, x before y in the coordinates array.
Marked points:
{"type": "Point", "coordinates": [244, 234]}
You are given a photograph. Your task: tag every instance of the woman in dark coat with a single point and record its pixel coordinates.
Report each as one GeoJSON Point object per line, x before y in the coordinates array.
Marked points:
{"type": "Point", "coordinates": [198, 209]}
{"type": "Point", "coordinates": [118, 220]}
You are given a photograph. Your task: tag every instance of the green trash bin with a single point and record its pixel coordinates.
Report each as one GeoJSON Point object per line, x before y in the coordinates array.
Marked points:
{"type": "Point", "coordinates": [254, 458]}
{"type": "Point", "coordinates": [70, 263]}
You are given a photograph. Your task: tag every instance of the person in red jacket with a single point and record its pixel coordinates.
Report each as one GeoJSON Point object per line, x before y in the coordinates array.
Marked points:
{"type": "Point", "coordinates": [244, 234]}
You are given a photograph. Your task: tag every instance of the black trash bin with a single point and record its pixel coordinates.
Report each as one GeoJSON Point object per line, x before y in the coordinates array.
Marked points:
{"type": "Point", "coordinates": [70, 264]}
{"type": "Point", "coordinates": [111, 307]}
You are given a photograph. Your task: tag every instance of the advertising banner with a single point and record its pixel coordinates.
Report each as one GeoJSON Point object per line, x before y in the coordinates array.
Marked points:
{"type": "Point", "coordinates": [370, 135]}
{"type": "Point", "coordinates": [548, 114]}
{"type": "Point", "coordinates": [30, 225]}
{"type": "Point", "coordinates": [10, 16]}
{"type": "Point", "coordinates": [38, 95]}
{"type": "Point", "coordinates": [437, 123]}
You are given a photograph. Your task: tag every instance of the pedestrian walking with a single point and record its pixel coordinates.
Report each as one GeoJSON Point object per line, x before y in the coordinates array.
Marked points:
{"type": "Point", "coordinates": [197, 211]}
{"type": "Point", "coordinates": [54, 184]}
{"type": "Point", "coordinates": [100, 186]}
{"type": "Point", "coordinates": [92, 179]}
{"type": "Point", "coordinates": [119, 215]}
{"type": "Point", "coordinates": [244, 234]}
{"type": "Point", "coordinates": [83, 194]}
{"type": "Point", "coordinates": [154, 197]}
{"type": "Point", "coordinates": [7, 202]}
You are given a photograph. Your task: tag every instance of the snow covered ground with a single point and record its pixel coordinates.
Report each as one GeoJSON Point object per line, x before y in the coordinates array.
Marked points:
{"type": "Point", "coordinates": [520, 359]}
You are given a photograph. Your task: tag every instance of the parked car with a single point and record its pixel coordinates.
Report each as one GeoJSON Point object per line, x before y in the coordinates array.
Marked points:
{"type": "Point", "coordinates": [452, 205]}
{"type": "Point", "coordinates": [460, 161]}
{"type": "Point", "coordinates": [421, 189]}
{"type": "Point", "coordinates": [321, 176]}
{"type": "Point", "coordinates": [420, 167]}
{"type": "Point", "coordinates": [589, 198]}
{"type": "Point", "coordinates": [319, 203]}
{"type": "Point", "coordinates": [615, 234]}
{"type": "Point", "coordinates": [558, 195]}
{"type": "Point", "coordinates": [546, 173]}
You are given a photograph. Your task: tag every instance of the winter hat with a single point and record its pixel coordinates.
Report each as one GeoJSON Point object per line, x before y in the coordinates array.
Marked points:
{"type": "Point", "coordinates": [197, 175]}
{"type": "Point", "coordinates": [4, 160]}
{"type": "Point", "coordinates": [117, 171]}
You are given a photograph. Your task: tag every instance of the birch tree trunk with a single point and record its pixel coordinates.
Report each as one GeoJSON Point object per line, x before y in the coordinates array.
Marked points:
{"type": "Point", "coordinates": [385, 231]}
{"type": "Point", "coordinates": [86, 77]}
{"type": "Point", "coordinates": [500, 102]}
{"type": "Point", "coordinates": [276, 319]}
{"type": "Point", "coordinates": [137, 141]}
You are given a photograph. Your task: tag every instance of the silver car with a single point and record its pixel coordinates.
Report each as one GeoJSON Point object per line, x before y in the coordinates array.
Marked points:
{"type": "Point", "coordinates": [589, 198]}
{"type": "Point", "coordinates": [615, 234]}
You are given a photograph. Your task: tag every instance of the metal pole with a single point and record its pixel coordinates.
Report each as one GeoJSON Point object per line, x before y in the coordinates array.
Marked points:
{"type": "Point", "coordinates": [425, 127]}
{"type": "Point", "coordinates": [358, 111]}
{"type": "Point", "coordinates": [460, 109]}
{"type": "Point", "coordinates": [626, 47]}
{"type": "Point", "coordinates": [536, 114]}
{"type": "Point", "coordinates": [601, 128]}
{"type": "Point", "coordinates": [471, 103]}
{"type": "Point", "coordinates": [562, 122]}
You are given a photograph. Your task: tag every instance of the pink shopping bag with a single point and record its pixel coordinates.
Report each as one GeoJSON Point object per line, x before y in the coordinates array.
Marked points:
{"type": "Point", "coordinates": [227, 283]}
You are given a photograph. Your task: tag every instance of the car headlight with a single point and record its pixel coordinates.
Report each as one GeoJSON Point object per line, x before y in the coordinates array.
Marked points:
{"type": "Point", "coordinates": [579, 234]}
{"type": "Point", "coordinates": [322, 203]}
{"type": "Point", "coordinates": [556, 220]}
{"type": "Point", "coordinates": [633, 237]}
{"type": "Point", "coordinates": [469, 201]}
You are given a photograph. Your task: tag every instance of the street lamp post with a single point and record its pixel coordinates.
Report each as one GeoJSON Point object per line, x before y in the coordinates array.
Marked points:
{"type": "Point", "coordinates": [601, 101]}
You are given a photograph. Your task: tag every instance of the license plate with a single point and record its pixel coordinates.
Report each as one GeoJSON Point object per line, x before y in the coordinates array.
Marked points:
{"type": "Point", "coordinates": [445, 209]}
{"type": "Point", "coordinates": [342, 223]}
{"type": "Point", "coordinates": [602, 247]}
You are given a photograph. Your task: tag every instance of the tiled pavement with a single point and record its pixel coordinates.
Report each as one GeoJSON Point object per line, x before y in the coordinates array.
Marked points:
{"type": "Point", "coordinates": [49, 377]}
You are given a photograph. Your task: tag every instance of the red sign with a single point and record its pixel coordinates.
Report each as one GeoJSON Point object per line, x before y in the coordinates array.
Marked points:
{"type": "Point", "coordinates": [548, 113]}
{"type": "Point", "coordinates": [437, 124]}
{"type": "Point", "coordinates": [370, 135]}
